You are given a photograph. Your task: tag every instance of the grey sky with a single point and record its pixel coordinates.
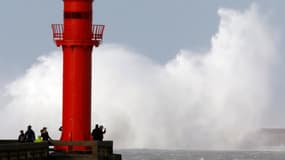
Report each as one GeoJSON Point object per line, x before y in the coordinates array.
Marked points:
{"type": "Point", "coordinates": [157, 28]}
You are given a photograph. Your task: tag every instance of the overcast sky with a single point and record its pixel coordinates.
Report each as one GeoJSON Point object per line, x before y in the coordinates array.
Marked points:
{"type": "Point", "coordinates": [158, 29]}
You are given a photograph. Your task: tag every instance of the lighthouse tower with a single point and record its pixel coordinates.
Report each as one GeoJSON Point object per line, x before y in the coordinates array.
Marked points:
{"type": "Point", "coordinates": [77, 36]}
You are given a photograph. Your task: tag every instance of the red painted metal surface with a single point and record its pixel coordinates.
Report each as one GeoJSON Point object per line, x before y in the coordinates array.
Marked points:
{"type": "Point", "coordinates": [77, 36]}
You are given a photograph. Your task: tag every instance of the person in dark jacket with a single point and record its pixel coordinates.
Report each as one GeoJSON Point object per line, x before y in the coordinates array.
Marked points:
{"type": "Point", "coordinates": [45, 135]}
{"type": "Point", "coordinates": [102, 131]}
{"type": "Point", "coordinates": [95, 133]}
{"type": "Point", "coordinates": [30, 134]}
{"type": "Point", "coordinates": [21, 137]}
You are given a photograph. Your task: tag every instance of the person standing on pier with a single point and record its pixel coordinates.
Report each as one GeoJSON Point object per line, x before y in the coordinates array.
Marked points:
{"type": "Point", "coordinates": [45, 135]}
{"type": "Point", "coordinates": [30, 134]}
{"type": "Point", "coordinates": [21, 137]}
{"type": "Point", "coordinates": [95, 133]}
{"type": "Point", "coordinates": [102, 131]}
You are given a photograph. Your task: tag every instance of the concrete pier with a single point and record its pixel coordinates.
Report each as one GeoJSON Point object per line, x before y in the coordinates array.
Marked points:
{"type": "Point", "coordinates": [12, 150]}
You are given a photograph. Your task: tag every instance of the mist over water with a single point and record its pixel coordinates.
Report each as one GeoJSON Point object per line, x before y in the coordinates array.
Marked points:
{"type": "Point", "coordinates": [196, 100]}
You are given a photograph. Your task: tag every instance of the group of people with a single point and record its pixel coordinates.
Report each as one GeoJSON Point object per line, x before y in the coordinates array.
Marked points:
{"type": "Point", "coordinates": [29, 135]}
{"type": "Point", "coordinates": [98, 132]}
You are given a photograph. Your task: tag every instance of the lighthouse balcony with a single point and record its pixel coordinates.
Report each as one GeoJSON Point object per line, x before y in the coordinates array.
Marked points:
{"type": "Point", "coordinates": [96, 38]}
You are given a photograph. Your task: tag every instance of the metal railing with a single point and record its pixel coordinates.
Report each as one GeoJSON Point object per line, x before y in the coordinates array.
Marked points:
{"type": "Point", "coordinates": [57, 30]}
{"type": "Point", "coordinates": [97, 32]}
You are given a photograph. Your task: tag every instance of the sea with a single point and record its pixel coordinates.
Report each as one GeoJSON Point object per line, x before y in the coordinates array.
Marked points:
{"type": "Point", "coordinates": [154, 154]}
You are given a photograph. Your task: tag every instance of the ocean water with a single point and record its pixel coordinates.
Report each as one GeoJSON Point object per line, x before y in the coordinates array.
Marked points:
{"type": "Point", "coordinates": [147, 154]}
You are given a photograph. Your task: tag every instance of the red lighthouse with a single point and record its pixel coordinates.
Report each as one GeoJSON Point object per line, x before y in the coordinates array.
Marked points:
{"type": "Point", "coordinates": [77, 36]}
